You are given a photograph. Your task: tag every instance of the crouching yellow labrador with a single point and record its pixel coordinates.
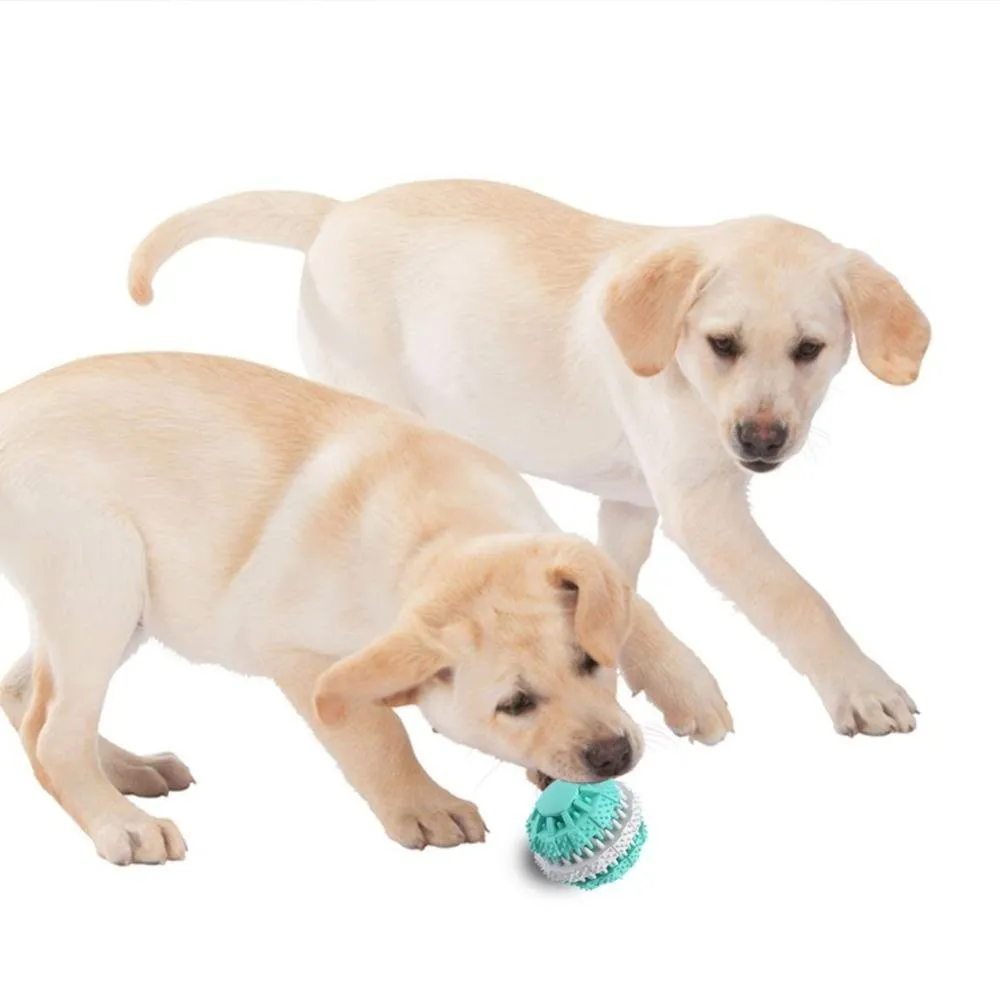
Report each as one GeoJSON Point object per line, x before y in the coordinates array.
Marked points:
{"type": "Point", "coordinates": [359, 558]}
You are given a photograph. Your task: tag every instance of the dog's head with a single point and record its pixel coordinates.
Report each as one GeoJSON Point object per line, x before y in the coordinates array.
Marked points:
{"type": "Point", "coordinates": [510, 648]}
{"type": "Point", "coordinates": [757, 315]}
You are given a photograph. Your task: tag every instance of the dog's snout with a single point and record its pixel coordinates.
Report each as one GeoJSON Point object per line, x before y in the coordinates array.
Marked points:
{"type": "Point", "coordinates": [609, 758]}
{"type": "Point", "coordinates": [761, 439]}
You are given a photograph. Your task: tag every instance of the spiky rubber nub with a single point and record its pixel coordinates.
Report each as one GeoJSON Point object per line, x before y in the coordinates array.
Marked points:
{"type": "Point", "coordinates": [586, 835]}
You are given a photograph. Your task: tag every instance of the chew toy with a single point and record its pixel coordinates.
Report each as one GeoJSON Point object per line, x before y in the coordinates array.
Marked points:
{"type": "Point", "coordinates": [586, 835]}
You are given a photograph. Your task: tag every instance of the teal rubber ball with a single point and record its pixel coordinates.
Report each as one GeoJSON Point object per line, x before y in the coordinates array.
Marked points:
{"type": "Point", "coordinates": [586, 835]}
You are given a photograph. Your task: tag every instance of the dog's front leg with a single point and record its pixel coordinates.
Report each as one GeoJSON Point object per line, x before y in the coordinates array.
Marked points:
{"type": "Point", "coordinates": [375, 754]}
{"type": "Point", "coordinates": [713, 524]}
{"type": "Point", "coordinates": [654, 661]}
{"type": "Point", "coordinates": [625, 531]}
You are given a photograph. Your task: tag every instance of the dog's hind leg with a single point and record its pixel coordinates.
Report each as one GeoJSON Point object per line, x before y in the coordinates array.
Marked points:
{"type": "Point", "coordinates": [87, 608]}
{"type": "Point", "coordinates": [349, 338]}
{"type": "Point", "coordinates": [15, 689]}
{"type": "Point", "coordinates": [132, 774]}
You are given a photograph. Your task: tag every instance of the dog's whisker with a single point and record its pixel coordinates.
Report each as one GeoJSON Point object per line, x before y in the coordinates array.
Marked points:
{"type": "Point", "coordinates": [817, 445]}
{"type": "Point", "coordinates": [486, 777]}
{"type": "Point", "coordinates": [654, 736]}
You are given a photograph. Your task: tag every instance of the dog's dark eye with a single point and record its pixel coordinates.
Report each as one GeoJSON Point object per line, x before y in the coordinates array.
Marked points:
{"type": "Point", "coordinates": [588, 665]}
{"type": "Point", "coordinates": [725, 347]}
{"type": "Point", "coordinates": [520, 704]}
{"type": "Point", "coordinates": [807, 350]}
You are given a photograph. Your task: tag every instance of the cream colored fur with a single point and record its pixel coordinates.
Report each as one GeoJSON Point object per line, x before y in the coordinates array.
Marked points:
{"type": "Point", "coordinates": [581, 349]}
{"type": "Point", "coordinates": [360, 559]}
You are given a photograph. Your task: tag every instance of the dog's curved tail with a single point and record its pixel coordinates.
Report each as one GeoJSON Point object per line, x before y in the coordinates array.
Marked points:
{"type": "Point", "coordinates": [283, 218]}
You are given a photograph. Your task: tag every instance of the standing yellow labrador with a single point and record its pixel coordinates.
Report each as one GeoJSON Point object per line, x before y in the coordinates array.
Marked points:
{"type": "Point", "coordinates": [359, 558]}
{"type": "Point", "coordinates": [655, 367]}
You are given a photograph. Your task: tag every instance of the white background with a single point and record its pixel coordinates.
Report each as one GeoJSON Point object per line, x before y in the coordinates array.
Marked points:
{"type": "Point", "coordinates": [789, 860]}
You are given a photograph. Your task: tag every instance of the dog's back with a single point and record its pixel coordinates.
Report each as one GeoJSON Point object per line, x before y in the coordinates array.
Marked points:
{"type": "Point", "coordinates": [182, 464]}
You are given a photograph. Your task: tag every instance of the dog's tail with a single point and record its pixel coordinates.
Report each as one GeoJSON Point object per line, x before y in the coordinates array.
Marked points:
{"type": "Point", "coordinates": [283, 218]}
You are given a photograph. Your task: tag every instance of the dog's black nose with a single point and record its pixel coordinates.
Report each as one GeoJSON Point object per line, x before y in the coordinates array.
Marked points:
{"type": "Point", "coordinates": [609, 758]}
{"type": "Point", "coordinates": [761, 439]}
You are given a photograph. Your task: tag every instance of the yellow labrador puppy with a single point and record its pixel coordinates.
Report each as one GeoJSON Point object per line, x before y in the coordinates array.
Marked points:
{"type": "Point", "coordinates": [362, 560]}
{"type": "Point", "coordinates": [655, 367]}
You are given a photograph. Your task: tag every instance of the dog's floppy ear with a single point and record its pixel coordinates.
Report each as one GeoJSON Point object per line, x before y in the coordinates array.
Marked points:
{"type": "Point", "coordinates": [603, 612]}
{"type": "Point", "coordinates": [645, 304]}
{"type": "Point", "coordinates": [388, 670]}
{"type": "Point", "coordinates": [892, 334]}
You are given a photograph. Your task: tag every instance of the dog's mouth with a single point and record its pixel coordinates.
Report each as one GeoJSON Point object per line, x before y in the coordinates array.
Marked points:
{"type": "Point", "coordinates": [759, 465]}
{"type": "Point", "coordinates": [543, 780]}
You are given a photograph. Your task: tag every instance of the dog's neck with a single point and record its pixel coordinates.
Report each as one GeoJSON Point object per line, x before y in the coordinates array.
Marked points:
{"type": "Point", "coordinates": [437, 556]}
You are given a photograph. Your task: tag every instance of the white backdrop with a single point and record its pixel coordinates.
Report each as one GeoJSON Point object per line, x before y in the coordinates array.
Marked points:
{"type": "Point", "coordinates": [789, 860]}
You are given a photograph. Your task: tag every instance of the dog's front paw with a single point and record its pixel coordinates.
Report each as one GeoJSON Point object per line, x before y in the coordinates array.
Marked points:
{"type": "Point", "coordinates": [865, 699]}
{"type": "Point", "coordinates": [690, 699]}
{"type": "Point", "coordinates": [435, 819]}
